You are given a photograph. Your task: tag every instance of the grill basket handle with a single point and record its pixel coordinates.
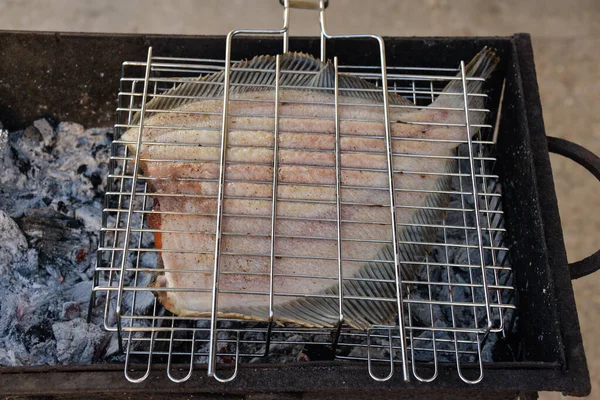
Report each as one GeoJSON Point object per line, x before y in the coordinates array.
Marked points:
{"type": "Point", "coordinates": [591, 162]}
{"type": "Point", "coordinates": [306, 5]}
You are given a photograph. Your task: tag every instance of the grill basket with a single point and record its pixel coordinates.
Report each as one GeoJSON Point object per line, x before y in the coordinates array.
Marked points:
{"type": "Point", "coordinates": [446, 310]}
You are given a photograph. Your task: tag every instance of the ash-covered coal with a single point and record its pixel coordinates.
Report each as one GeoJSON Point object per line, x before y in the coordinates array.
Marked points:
{"type": "Point", "coordinates": [457, 283]}
{"type": "Point", "coordinates": [51, 196]}
{"type": "Point", "coordinates": [51, 190]}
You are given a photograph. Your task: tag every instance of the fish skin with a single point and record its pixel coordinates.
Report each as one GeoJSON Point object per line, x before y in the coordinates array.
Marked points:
{"type": "Point", "coordinates": [186, 186]}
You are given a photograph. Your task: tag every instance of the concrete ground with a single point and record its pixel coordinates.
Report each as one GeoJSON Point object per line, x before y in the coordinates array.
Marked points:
{"type": "Point", "coordinates": [566, 36]}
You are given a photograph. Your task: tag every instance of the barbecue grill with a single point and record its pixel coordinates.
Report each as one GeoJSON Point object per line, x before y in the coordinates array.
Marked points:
{"type": "Point", "coordinates": [523, 296]}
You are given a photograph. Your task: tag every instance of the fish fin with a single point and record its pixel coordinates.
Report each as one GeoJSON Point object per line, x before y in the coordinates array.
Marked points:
{"type": "Point", "coordinates": [481, 66]}
{"type": "Point", "coordinates": [414, 244]}
{"type": "Point", "coordinates": [298, 70]}
{"type": "Point", "coordinates": [361, 88]}
{"type": "Point", "coordinates": [377, 279]}
{"type": "Point", "coordinates": [256, 74]}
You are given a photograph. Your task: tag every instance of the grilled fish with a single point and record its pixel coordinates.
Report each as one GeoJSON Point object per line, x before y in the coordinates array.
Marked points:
{"type": "Point", "coordinates": [180, 157]}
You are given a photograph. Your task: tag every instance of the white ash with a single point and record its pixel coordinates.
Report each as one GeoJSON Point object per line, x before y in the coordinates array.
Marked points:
{"type": "Point", "coordinates": [78, 342]}
{"type": "Point", "coordinates": [46, 130]}
{"type": "Point", "coordinates": [51, 190]}
{"type": "Point", "coordinates": [67, 173]}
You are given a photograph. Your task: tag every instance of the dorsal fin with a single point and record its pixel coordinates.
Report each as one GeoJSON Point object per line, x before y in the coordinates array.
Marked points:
{"type": "Point", "coordinates": [299, 70]}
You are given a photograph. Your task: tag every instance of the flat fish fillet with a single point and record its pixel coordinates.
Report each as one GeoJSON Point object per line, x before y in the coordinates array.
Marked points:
{"type": "Point", "coordinates": [180, 156]}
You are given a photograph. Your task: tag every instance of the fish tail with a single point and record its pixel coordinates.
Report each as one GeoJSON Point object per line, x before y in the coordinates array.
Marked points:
{"type": "Point", "coordinates": [481, 66]}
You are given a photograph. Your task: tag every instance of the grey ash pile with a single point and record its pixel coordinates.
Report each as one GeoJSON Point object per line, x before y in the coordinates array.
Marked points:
{"type": "Point", "coordinates": [51, 194]}
{"type": "Point", "coordinates": [51, 190]}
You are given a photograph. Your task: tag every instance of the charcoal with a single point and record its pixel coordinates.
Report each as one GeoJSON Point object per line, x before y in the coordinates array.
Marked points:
{"type": "Point", "coordinates": [48, 237]}
{"type": "Point", "coordinates": [79, 292]}
{"type": "Point", "coordinates": [287, 352]}
{"type": "Point", "coordinates": [13, 245]}
{"type": "Point", "coordinates": [318, 352]}
{"type": "Point", "coordinates": [90, 216]}
{"type": "Point", "coordinates": [32, 136]}
{"type": "Point", "coordinates": [38, 333]}
{"type": "Point", "coordinates": [70, 310]}
{"type": "Point", "coordinates": [7, 357]}
{"type": "Point", "coordinates": [78, 342]}
{"type": "Point", "coordinates": [362, 352]}
{"type": "Point", "coordinates": [46, 131]}
{"type": "Point", "coordinates": [56, 237]}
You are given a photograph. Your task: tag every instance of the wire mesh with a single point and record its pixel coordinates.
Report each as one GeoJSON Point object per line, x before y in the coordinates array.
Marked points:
{"type": "Point", "coordinates": [447, 306]}
{"type": "Point", "coordinates": [450, 289]}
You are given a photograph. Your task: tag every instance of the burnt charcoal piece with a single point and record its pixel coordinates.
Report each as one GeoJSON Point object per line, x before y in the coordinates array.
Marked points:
{"type": "Point", "coordinates": [97, 148]}
{"type": "Point", "coordinates": [78, 342]}
{"type": "Point", "coordinates": [70, 310]}
{"type": "Point", "coordinates": [95, 179]}
{"type": "Point", "coordinates": [47, 130]}
{"type": "Point", "coordinates": [38, 333]}
{"type": "Point", "coordinates": [21, 161]}
{"type": "Point", "coordinates": [62, 207]}
{"type": "Point", "coordinates": [32, 134]}
{"type": "Point", "coordinates": [58, 238]}
{"type": "Point", "coordinates": [318, 352]}
{"type": "Point", "coordinates": [503, 350]}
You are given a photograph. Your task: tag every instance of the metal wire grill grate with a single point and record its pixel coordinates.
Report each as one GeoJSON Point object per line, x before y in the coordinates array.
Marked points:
{"type": "Point", "coordinates": [156, 334]}
{"type": "Point", "coordinates": [457, 296]}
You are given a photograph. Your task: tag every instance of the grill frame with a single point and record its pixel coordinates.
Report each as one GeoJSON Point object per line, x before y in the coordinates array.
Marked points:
{"type": "Point", "coordinates": [76, 92]}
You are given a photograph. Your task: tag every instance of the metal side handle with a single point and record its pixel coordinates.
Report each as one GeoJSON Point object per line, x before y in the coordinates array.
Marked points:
{"type": "Point", "coordinates": [591, 162]}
